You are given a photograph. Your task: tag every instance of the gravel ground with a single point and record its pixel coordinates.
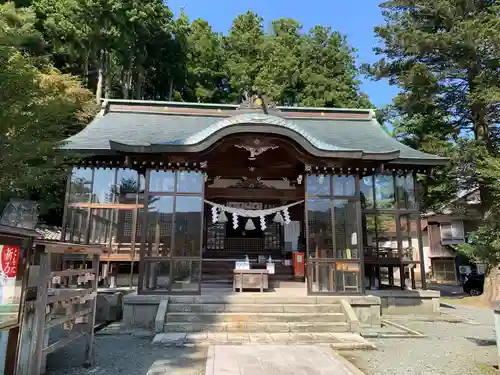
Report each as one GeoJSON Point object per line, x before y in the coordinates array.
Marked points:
{"type": "Point", "coordinates": [127, 355]}
{"type": "Point", "coordinates": [448, 349]}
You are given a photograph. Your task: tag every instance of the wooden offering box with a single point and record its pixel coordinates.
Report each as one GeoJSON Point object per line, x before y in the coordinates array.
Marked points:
{"type": "Point", "coordinates": [250, 279]}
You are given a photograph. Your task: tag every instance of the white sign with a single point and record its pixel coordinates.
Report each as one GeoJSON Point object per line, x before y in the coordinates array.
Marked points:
{"type": "Point", "coordinates": [270, 268]}
{"type": "Point", "coordinates": [242, 265]}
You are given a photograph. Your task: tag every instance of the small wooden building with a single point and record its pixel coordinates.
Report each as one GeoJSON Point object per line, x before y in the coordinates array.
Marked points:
{"type": "Point", "coordinates": [154, 171]}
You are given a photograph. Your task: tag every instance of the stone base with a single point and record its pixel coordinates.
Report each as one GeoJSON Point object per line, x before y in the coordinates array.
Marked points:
{"type": "Point", "coordinates": [109, 307]}
{"type": "Point", "coordinates": [337, 340]}
{"type": "Point", "coordinates": [139, 311]}
{"type": "Point", "coordinates": [408, 301]}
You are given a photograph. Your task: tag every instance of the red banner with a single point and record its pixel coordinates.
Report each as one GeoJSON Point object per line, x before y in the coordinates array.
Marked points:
{"type": "Point", "coordinates": [9, 258]}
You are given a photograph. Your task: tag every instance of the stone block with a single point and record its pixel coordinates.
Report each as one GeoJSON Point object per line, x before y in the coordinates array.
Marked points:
{"type": "Point", "coordinates": [160, 316]}
{"type": "Point", "coordinates": [109, 307]}
{"type": "Point", "coordinates": [169, 339]}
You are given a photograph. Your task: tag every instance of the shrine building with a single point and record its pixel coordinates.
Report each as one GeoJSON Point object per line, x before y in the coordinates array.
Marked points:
{"type": "Point", "coordinates": [181, 194]}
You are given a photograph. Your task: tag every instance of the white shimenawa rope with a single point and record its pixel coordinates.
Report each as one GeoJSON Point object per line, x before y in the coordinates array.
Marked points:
{"type": "Point", "coordinates": [252, 213]}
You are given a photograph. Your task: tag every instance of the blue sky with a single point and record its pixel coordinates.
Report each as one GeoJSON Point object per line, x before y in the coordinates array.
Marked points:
{"type": "Point", "coordinates": [354, 18]}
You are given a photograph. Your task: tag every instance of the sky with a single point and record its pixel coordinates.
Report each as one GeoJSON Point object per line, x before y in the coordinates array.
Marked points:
{"type": "Point", "coordinates": [353, 18]}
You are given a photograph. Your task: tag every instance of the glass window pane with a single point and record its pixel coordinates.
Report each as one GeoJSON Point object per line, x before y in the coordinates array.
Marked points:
{"type": "Point", "coordinates": [321, 277]}
{"type": "Point", "coordinates": [346, 229]}
{"type": "Point", "coordinates": [366, 192]}
{"type": "Point", "coordinates": [319, 219]}
{"type": "Point", "coordinates": [409, 238]}
{"type": "Point", "coordinates": [188, 225]}
{"type": "Point", "coordinates": [161, 181]}
{"type": "Point", "coordinates": [318, 185]}
{"type": "Point", "coordinates": [103, 188]}
{"type": "Point", "coordinates": [160, 212]}
{"type": "Point", "coordinates": [157, 276]}
{"type": "Point", "coordinates": [128, 184]}
{"type": "Point", "coordinates": [384, 191]}
{"type": "Point", "coordinates": [190, 182]}
{"type": "Point", "coordinates": [101, 223]}
{"type": "Point", "coordinates": [76, 224]}
{"type": "Point", "coordinates": [81, 185]}
{"type": "Point", "coordinates": [369, 229]}
{"type": "Point", "coordinates": [186, 275]}
{"type": "Point", "coordinates": [405, 191]}
{"type": "Point", "coordinates": [344, 186]}
{"type": "Point", "coordinates": [347, 277]}
{"type": "Point", "coordinates": [112, 227]}
{"type": "Point", "coordinates": [387, 239]}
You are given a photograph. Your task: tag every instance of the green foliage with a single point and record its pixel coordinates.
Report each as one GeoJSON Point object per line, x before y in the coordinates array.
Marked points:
{"type": "Point", "coordinates": [444, 55]}
{"type": "Point", "coordinates": [39, 108]}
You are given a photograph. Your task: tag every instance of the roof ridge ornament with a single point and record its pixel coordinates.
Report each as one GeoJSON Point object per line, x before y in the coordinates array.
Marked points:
{"type": "Point", "coordinates": [257, 101]}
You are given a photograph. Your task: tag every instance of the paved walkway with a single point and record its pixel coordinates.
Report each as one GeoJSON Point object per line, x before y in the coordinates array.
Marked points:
{"type": "Point", "coordinates": [276, 360]}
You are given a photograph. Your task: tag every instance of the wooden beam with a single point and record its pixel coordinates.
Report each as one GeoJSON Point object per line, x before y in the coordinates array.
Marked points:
{"type": "Point", "coordinates": [259, 194]}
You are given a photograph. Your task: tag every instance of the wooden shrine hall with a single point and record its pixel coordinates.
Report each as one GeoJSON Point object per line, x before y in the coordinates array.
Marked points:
{"type": "Point", "coordinates": [180, 192]}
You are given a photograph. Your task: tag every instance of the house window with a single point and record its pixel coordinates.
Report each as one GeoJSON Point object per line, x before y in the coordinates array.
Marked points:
{"type": "Point", "coordinates": [444, 270]}
{"type": "Point", "coordinates": [452, 233]}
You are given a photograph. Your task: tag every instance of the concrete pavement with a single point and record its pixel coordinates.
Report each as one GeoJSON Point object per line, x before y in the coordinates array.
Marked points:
{"type": "Point", "coordinates": [276, 360]}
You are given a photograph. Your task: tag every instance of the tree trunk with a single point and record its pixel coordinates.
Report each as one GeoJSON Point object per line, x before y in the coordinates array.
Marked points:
{"type": "Point", "coordinates": [491, 285]}
{"type": "Point", "coordinates": [171, 90]}
{"type": "Point", "coordinates": [126, 83]}
{"type": "Point", "coordinates": [101, 74]}
{"type": "Point", "coordinates": [139, 83]}
{"type": "Point", "coordinates": [107, 79]}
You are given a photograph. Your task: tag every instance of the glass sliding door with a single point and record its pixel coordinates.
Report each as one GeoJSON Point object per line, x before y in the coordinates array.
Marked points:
{"type": "Point", "coordinates": [333, 213]}
{"type": "Point", "coordinates": [171, 250]}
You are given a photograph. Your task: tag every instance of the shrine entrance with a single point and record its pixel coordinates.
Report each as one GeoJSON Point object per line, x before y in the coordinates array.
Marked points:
{"type": "Point", "coordinates": [252, 174]}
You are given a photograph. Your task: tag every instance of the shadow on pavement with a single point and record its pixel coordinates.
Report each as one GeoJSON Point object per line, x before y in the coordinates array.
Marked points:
{"type": "Point", "coordinates": [482, 342]}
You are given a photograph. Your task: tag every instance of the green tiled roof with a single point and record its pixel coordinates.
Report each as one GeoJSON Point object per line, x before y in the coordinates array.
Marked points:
{"type": "Point", "coordinates": [150, 127]}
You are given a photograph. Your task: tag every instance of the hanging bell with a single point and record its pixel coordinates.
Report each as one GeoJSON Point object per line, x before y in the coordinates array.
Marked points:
{"type": "Point", "coordinates": [222, 217]}
{"type": "Point", "coordinates": [249, 225]}
{"type": "Point", "coordinates": [278, 218]}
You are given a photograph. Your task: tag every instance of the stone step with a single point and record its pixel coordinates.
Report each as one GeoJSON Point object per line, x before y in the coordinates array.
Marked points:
{"type": "Point", "coordinates": [230, 297]}
{"type": "Point", "coordinates": [336, 340]}
{"type": "Point", "coordinates": [183, 317]}
{"type": "Point", "coordinates": [253, 308]}
{"type": "Point", "coordinates": [257, 327]}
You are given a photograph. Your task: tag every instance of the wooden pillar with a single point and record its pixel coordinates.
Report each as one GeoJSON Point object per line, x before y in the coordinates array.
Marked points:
{"type": "Point", "coordinates": [419, 235]}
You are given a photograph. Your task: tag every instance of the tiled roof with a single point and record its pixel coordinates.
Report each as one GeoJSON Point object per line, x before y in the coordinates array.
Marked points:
{"type": "Point", "coordinates": [148, 126]}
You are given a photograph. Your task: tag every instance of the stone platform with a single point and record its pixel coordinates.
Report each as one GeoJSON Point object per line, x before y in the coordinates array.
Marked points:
{"type": "Point", "coordinates": [335, 340]}
{"type": "Point", "coordinates": [276, 360]}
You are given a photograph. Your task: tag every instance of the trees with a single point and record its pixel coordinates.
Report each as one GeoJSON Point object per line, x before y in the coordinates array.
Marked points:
{"type": "Point", "coordinates": [445, 56]}
{"type": "Point", "coordinates": [328, 73]}
{"type": "Point", "coordinates": [53, 51]}
{"type": "Point", "coordinates": [39, 108]}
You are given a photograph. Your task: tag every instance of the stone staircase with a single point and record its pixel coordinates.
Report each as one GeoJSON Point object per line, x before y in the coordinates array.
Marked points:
{"type": "Point", "coordinates": [254, 313]}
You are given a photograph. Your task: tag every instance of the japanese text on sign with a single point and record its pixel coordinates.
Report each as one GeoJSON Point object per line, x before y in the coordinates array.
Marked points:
{"type": "Point", "coordinates": [9, 258]}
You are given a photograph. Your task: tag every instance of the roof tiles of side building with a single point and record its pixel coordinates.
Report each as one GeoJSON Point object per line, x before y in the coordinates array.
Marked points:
{"type": "Point", "coordinates": [147, 124]}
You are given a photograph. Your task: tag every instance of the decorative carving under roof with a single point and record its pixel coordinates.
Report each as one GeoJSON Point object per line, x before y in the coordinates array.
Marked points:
{"type": "Point", "coordinates": [251, 183]}
{"type": "Point", "coordinates": [256, 147]}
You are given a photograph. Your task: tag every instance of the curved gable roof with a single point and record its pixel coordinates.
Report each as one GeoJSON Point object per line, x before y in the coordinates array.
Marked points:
{"type": "Point", "coordinates": [151, 128]}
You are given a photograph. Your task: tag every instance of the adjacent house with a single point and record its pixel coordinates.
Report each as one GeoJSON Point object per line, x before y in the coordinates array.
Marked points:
{"type": "Point", "coordinates": [440, 231]}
